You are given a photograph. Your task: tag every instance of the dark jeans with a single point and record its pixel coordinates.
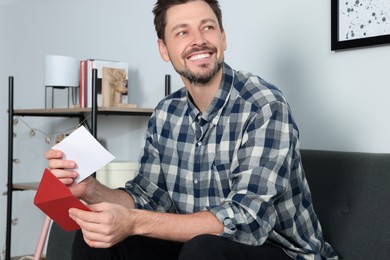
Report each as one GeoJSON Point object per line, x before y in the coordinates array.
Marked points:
{"type": "Point", "coordinates": [204, 247]}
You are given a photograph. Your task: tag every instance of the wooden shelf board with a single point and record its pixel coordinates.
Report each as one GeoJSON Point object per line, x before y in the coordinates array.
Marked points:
{"type": "Point", "coordinates": [24, 186]}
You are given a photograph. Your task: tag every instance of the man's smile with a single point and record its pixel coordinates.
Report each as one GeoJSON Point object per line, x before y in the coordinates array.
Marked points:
{"type": "Point", "coordinates": [199, 56]}
{"type": "Point", "coordinates": [199, 53]}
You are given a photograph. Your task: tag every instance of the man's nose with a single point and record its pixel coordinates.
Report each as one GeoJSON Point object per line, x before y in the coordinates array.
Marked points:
{"type": "Point", "coordinates": [198, 38]}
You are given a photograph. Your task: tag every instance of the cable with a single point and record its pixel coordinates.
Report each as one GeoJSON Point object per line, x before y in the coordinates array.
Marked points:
{"type": "Point", "coordinates": [34, 131]}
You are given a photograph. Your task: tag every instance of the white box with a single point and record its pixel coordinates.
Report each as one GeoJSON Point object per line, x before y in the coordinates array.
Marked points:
{"type": "Point", "coordinates": [117, 173]}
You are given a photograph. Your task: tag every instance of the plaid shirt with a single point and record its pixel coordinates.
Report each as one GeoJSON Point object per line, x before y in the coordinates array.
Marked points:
{"type": "Point", "coordinates": [239, 159]}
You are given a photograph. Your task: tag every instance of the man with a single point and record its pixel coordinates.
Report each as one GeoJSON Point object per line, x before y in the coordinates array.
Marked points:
{"type": "Point", "coordinates": [220, 175]}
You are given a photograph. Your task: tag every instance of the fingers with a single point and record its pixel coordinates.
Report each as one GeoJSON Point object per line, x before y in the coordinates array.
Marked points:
{"type": "Point", "coordinates": [94, 216]}
{"type": "Point", "coordinates": [56, 160]}
{"type": "Point", "coordinates": [57, 166]}
{"type": "Point", "coordinates": [53, 154]}
{"type": "Point", "coordinates": [90, 223]}
{"type": "Point", "coordinates": [62, 169]}
{"type": "Point", "coordinates": [95, 230]}
{"type": "Point", "coordinates": [79, 215]}
{"type": "Point", "coordinates": [99, 207]}
{"type": "Point", "coordinates": [61, 164]}
{"type": "Point", "coordinates": [65, 176]}
{"type": "Point", "coordinates": [96, 240]}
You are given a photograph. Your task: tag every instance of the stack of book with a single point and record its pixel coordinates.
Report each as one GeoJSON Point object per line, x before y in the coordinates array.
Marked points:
{"type": "Point", "coordinates": [115, 77]}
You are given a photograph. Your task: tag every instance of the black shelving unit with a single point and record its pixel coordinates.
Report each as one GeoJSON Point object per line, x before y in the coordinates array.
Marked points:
{"type": "Point", "coordinates": [79, 113]}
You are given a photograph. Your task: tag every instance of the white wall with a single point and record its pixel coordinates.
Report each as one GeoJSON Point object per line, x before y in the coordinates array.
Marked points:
{"type": "Point", "coordinates": [339, 99]}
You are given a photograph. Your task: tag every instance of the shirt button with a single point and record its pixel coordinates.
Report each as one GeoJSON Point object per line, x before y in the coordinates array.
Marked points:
{"type": "Point", "coordinates": [196, 181]}
{"type": "Point", "coordinates": [199, 143]}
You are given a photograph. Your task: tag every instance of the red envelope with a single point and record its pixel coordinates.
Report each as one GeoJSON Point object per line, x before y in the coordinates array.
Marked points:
{"type": "Point", "coordinates": [55, 200]}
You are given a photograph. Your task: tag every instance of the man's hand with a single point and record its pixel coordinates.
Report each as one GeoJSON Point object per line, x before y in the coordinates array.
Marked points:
{"type": "Point", "coordinates": [64, 171]}
{"type": "Point", "coordinates": [106, 225]}
{"type": "Point", "coordinates": [110, 223]}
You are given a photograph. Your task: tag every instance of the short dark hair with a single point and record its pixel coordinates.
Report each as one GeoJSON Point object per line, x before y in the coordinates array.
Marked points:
{"type": "Point", "coordinates": [160, 13]}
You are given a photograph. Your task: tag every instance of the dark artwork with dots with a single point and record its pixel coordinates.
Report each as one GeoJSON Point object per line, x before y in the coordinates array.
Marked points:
{"type": "Point", "coordinates": [360, 22]}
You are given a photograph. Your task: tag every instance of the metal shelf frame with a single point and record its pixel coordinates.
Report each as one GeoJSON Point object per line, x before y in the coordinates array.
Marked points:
{"type": "Point", "coordinates": [80, 113]}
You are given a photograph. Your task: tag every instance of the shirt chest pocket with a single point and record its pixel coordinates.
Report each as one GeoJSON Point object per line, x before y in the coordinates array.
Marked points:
{"type": "Point", "coordinates": [221, 177]}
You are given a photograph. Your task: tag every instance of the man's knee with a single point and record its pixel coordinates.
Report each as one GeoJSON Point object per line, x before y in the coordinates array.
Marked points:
{"type": "Point", "coordinates": [133, 247]}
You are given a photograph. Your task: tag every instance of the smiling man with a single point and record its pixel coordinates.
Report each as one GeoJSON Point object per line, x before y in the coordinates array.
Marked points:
{"type": "Point", "coordinates": [196, 46]}
{"type": "Point", "coordinates": [220, 174]}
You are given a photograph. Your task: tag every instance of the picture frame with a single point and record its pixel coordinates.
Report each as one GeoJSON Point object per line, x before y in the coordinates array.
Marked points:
{"type": "Point", "coordinates": [361, 23]}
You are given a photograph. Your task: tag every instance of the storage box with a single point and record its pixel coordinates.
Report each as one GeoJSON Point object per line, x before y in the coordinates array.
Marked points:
{"type": "Point", "coordinates": [117, 173]}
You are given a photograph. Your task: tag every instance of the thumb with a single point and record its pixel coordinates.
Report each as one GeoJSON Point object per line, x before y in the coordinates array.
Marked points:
{"type": "Point", "coordinates": [99, 207]}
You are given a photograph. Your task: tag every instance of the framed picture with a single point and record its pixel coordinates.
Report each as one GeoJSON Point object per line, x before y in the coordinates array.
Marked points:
{"type": "Point", "coordinates": [359, 23]}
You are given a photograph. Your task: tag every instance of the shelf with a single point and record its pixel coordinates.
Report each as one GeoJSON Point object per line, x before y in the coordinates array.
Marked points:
{"type": "Point", "coordinates": [77, 112]}
{"type": "Point", "coordinates": [81, 113]}
{"type": "Point", "coordinates": [24, 186]}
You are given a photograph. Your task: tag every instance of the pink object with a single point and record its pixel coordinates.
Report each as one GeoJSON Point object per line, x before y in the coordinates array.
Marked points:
{"type": "Point", "coordinates": [42, 238]}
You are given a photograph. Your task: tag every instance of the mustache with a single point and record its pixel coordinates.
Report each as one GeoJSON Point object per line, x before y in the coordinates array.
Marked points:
{"type": "Point", "coordinates": [198, 49]}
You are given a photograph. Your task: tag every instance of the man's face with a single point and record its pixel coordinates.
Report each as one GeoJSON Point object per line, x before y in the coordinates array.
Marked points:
{"type": "Point", "coordinates": [194, 42]}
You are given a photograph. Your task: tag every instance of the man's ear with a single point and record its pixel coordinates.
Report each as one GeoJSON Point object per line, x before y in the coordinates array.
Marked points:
{"type": "Point", "coordinates": [163, 50]}
{"type": "Point", "coordinates": [224, 40]}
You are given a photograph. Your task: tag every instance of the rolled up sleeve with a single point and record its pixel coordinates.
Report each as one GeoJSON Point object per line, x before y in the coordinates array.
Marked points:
{"type": "Point", "coordinates": [260, 177]}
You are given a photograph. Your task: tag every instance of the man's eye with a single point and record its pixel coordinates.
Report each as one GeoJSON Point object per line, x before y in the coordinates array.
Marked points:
{"type": "Point", "coordinates": [207, 28]}
{"type": "Point", "coordinates": [182, 33]}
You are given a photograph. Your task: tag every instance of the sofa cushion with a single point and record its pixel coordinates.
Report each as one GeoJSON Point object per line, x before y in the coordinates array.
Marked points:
{"type": "Point", "coordinates": [351, 193]}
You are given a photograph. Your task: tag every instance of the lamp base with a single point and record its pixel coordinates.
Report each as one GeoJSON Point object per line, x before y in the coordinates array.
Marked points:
{"type": "Point", "coordinates": [70, 96]}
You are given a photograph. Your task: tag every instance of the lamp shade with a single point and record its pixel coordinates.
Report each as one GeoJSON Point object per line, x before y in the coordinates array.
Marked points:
{"type": "Point", "coordinates": [61, 71]}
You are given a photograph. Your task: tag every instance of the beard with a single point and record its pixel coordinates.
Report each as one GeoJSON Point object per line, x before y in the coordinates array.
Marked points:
{"type": "Point", "coordinates": [203, 77]}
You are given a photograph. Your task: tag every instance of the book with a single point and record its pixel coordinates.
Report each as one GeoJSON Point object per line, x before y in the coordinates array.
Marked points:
{"type": "Point", "coordinates": [99, 64]}
{"type": "Point", "coordinates": [83, 84]}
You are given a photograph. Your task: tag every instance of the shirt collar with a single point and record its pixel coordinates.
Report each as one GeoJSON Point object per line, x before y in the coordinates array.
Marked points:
{"type": "Point", "coordinates": [221, 98]}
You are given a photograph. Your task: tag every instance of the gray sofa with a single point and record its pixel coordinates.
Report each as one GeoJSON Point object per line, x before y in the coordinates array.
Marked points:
{"type": "Point", "coordinates": [351, 193]}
